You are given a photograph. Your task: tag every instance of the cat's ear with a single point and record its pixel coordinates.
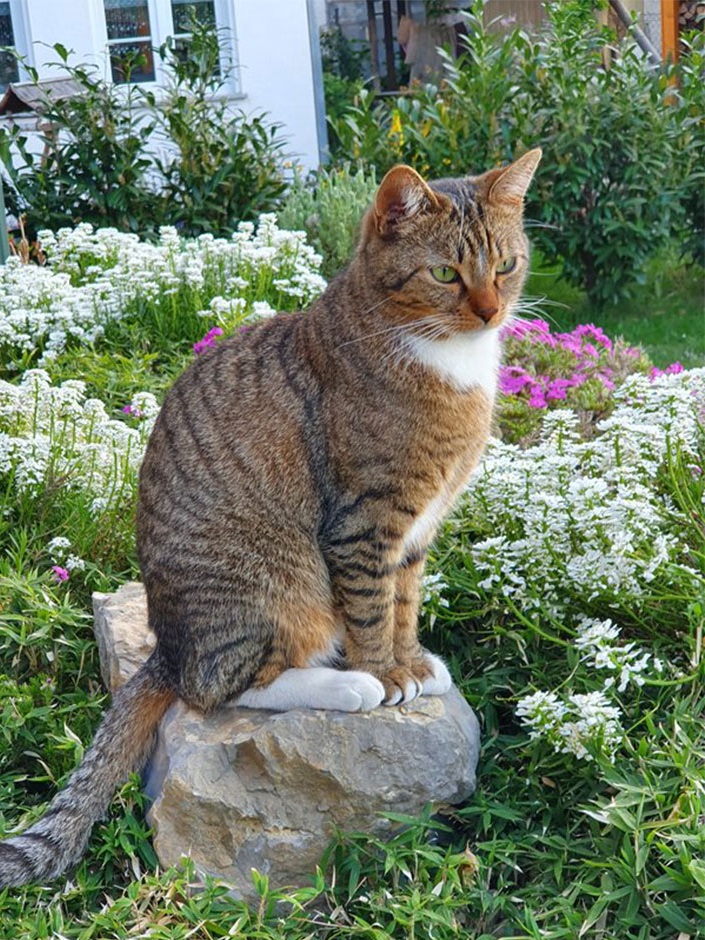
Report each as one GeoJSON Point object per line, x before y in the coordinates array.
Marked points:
{"type": "Point", "coordinates": [509, 185]}
{"type": "Point", "coordinates": [401, 196]}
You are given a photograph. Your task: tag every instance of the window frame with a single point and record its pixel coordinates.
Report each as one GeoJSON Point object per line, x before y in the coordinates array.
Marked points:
{"type": "Point", "coordinates": [161, 25]}
{"type": "Point", "coordinates": [19, 17]}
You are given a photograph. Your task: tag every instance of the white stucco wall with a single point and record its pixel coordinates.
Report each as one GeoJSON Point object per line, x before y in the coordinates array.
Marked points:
{"type": "Point", "coordinates": [271, 39]}
{"type": "Point", "coordinates": [276, 72]}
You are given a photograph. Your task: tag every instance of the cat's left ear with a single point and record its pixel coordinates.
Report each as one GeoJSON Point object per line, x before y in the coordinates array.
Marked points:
{"type": "Point", "coordinates": [509, 185]}
{"type": "Point", "coordinates": [401, 196]}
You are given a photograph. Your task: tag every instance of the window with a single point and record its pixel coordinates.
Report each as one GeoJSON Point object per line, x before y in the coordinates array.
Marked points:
{"type": "Point", "coordinates": [129, 40]}
{"type": "Point", "coordinates": [182, 14]}
{"type": "Point", "coordinates": [9, 71]}
{"type": "Point", "coordinates": [133, 35]}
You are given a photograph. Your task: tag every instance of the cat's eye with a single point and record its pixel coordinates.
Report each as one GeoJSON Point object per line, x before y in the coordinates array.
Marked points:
{"type": "Point", "coordinates": [445, 274]}
{"type": "Point", "coordinates": [506, 265]}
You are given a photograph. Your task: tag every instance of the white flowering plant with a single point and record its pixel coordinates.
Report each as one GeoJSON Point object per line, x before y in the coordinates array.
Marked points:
{"type": "Point", "coordinates": [64, 459]}
{"type": "Point", "coordinates": [573, 586]}
{"type": "Point", "coordinates": [110, 286]}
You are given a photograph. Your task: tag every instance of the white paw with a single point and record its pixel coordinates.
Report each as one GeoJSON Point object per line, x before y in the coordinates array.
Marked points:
{"type": "Point", "coordinates": [317, 687]}
{"type": "Point", "coordinates": [440, 682]}
{"type": "Point", "coordinates": [411, 690]}
{"type": "Point", "coordinates": [354, 692]}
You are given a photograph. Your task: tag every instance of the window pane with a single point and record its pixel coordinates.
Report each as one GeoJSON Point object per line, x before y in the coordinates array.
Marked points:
{"type": "Point", "coordinates": [182, 11]}
{"type": "Point", "coordinates": [140, 57]}
{"type": "Point", "coordinates": [8, 63]}
{"type": "Point", "coordinates": [127, 19]}
{"type": "Point", "coordinates": [129, 40]}
{"type": "Point", "coordinates": [7, 36]}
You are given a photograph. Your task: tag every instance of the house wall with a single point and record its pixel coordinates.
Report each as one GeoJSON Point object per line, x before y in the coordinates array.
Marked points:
{"type": "Point", "coordinates": [272, 51]}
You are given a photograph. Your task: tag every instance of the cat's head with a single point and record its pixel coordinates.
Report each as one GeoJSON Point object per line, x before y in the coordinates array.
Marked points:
{"type": "Point", "coordinates": [450, 254]}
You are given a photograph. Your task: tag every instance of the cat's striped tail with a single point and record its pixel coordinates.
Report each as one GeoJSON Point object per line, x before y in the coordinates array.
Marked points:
{"type": "Point", "coordinates": [121, 745]}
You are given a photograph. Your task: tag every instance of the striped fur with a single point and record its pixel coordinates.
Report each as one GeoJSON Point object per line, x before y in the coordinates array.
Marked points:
{"type": "Point", "coordinates": [295, 478]}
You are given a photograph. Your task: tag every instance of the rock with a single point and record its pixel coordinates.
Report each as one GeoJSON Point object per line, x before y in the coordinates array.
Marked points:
{"type": "Point", "coordinates": [243, 789]}
{"type": "Point", "coordinates": [124, 640]}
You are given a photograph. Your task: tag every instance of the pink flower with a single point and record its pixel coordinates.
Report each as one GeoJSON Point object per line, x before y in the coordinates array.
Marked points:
{"type": "Point", "coordinates": [60, 574]}
{"type": "Point", "coordinates": [208, 340]}
{"type": "Point", "coordinates": [134, 412]}
{"type": "Point", "coordinates": [673, 369]}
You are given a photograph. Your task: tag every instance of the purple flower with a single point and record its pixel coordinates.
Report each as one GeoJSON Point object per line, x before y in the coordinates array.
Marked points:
{"type": "Point", "coordinates": [513, 379]}
{"type": "Point", "coordinates": [134, 412]}
{"type": "Point", "coordinates": [60, 574]}
{"type": "Point", "coordinates": [207, 341]}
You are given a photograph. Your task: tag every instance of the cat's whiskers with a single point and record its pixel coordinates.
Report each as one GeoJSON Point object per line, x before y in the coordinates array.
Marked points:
{"type": "Point", "coordinates": [429, 328]}
{"type": "Point", "coordinates": [533, 308]}
{"type": "Point", "coordinates": [536, 223]}
{"type": "Point", "coordinates": [392, 328]}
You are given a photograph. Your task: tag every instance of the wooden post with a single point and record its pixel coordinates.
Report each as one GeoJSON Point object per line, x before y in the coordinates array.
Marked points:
{"type": "Point", "coordinates": [374, 46]}
{"type": "Point", "coordinates": [669, 29]}
{"type": "Point", "coordinates": [391, 80]}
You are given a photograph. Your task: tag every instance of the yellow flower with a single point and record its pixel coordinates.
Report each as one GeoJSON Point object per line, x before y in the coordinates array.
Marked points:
{"type": "Point", "coordinates": [396, 127]}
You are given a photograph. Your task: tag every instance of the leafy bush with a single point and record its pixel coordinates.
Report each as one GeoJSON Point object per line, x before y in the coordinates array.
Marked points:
{"type": "Point", "coordinates": [620, 172]}
{"type": "Point", "coordinates": [220, 167]}
{"type": "Point", "coordinates": [102, 164]}
{"type": "Point", "coordinates": [344, 64]}
{"type": "Point", "coordinates": [689, 103]}
{"type": "Point", "coordinates": [329, 208]}
{"type": "Point", "coordinates": [608, 193]}
{"type": "Point", "coordinates": [95, 165]}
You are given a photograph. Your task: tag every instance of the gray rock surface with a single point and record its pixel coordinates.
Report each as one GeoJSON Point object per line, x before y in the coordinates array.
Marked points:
{"type": "Point", "coordinates": [124, 640]}
{"type": "Point", "coordinates": [244, 789]}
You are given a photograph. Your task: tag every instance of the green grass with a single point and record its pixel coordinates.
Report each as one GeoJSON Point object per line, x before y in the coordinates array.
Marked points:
{"type": "Point", "coordinates": [666, 315]}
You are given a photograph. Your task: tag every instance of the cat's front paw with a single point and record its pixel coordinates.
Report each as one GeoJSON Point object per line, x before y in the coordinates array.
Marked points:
{"type": "Point", "coordinates": [358, 692]}
{"type": "Point", "coordinates": [439, 681]}
{"type": "Point", "coordinates": [400, 686]}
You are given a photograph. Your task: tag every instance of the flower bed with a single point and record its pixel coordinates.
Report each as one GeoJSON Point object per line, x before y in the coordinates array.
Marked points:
{"type": "Point", "coordinates": [566, 593]}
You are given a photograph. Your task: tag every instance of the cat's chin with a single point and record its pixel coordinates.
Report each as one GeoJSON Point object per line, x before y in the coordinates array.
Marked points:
{"type": "Point", "coordinates": [464, 360]}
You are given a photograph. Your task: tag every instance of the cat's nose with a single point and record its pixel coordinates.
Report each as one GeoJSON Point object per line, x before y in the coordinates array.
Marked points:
{"type": "Point", "coordinates": [484, 303]}
{"type": "Point", "coordinates": [485, 313]}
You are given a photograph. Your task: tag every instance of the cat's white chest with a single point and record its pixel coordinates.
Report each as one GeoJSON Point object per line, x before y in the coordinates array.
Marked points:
{"type": "Point", "coordinates": [465, 361]}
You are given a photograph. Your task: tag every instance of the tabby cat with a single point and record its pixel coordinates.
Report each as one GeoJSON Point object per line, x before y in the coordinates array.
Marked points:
{"type": "Point", "coordinates": [295, 478]}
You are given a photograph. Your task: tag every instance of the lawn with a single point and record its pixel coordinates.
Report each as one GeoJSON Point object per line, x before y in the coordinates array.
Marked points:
{"type": "Point", "coordinates": [566, 593]}
{"type": "Point", "coordinates": [665, 315]}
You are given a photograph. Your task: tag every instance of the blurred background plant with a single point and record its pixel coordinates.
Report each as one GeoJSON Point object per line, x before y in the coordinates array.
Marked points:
{"type": "Point", "coordinates": [329, 206]}
{"type": "Point", "coordinates": [623, 140]}
{"type": "Point", "coordinates": [219, 167]}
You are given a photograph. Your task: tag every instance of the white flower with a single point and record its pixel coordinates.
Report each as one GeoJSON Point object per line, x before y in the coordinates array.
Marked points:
{"type": "Point", "coordinates": [571, 519]}
{"type": "Point", "coordinates": [579, 725]}
{"type": "Point", "coordinates": [94, 277]}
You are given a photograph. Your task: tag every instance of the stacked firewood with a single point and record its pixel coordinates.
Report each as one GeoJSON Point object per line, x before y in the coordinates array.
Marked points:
{"type": "Point", "coordinates": [690, 15]}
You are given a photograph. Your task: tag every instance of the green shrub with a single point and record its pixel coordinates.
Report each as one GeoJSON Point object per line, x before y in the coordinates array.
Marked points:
{"type": "Point", "coordinates": [329, 208]}
{"type": "Point", "coordinates": [102, 162]}
{"type": "Point", "coordinates": [689, 165]}
{"type": "Point", "coordinates": [95, 163]}
{"type": "Point", "coordinates": [607, 190]}
{"type": "Point", "coordinates": [220, 167]}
